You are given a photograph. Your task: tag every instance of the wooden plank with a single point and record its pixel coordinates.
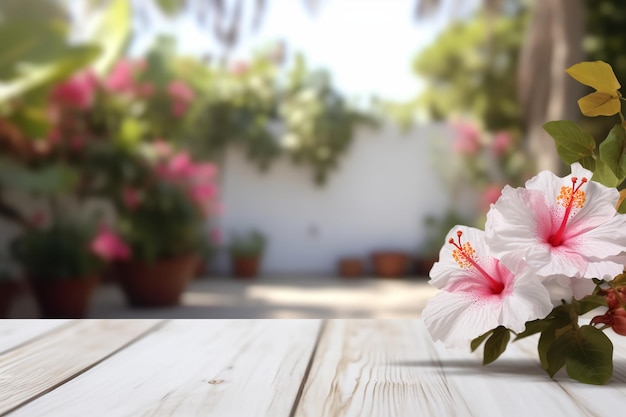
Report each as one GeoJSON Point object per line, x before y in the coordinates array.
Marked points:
{"type": "Point", "coordinates": [391, 368]}
{"type": "Point", "coordinates": [16, 332]}
{"type": "Point", "coordinates": [41, 365]}
{"type": "Point", "coordinates": [194, 368]}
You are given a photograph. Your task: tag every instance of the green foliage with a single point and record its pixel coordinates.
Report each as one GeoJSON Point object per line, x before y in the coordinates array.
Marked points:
{"type": "Point", "coordinates": [35, 48]}
{"type": "Point", "coordinates": [61, 251]}
{"type": "Point", "coordinates": [247, 245]}
{"type": "Point", "coordinates": [497, 341]}
{"type": "Point", "coordinates": [607, 160]}
{"type": "Point", "coordinates": [572, 143]}
{"type": "Point", "coordinates": [112, 34]}
{"type": "Point", "coordinates": [166, 224]}
{"type": "Point", "coordinates": [50, 179]}
{"type": "Point", "coordinates": [319, 124]}
{"type": "Point", "coordinates": [585, 351]}
{"type": "Point", "coordinates": [471, 67]}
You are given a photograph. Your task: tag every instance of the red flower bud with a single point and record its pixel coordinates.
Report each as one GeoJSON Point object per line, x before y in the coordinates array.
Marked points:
{"type": "Point", "coordinates": [619, 321]}
{"type": "Point", "coordinates": [611, 299]}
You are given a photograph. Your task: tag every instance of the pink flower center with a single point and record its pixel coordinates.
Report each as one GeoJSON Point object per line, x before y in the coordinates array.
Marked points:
{"type": "Point", "coordinates": [464, 255]}
{"type": "Point", "coordinates": [569, 198]}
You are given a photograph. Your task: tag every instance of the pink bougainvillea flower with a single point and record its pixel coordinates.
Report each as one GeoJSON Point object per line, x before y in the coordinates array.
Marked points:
{"type": "Point", "coordinates": [181, 96]}
{"type": "Point", "coordinates": [162, 148]}
{"type": "Point", "coordinates": [489, 196]}
{"type": "Point", "coordinates": [76, 92]}
{"type": "Point", "coordinates": [239, 68]}
{"type": "Point", "coordinates": [180, 91]}
{"type": "Point", "coordinates": [216, 236]}
{"type": "Point", "coordinates": [467, 140]}
{"type": "Point", "coordinates": [130, 197]}
{"type": "Point", "coordinates": [204, 172]}
{"type": "Point", "coordinates": [181, 166]}
{"type": "Point", "coordinates": [121, 79]}
{"type": "Point", "coordinates": [478, 292]}
{"type": "Point", "coordinates": [560, 226]}
{"type": "Point", "coordinates": [502, 142]}
{"type": "Point", "coordinates": [203, 192]}
{"type": "Point", "coordinates": [109, 246]}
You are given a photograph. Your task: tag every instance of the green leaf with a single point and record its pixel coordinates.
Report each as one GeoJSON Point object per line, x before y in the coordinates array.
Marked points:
{"type": "Point", "coordinates": [543, 347]}
{"type": "Point", "coordinates": [572, 143]}
{"type": "Point", "coordinates": [588, 303]}
{"type": "Point", "coordinates": [533, 327]}
{"type": "Point", "coordinates": [613, 152]}
{"type": "Point", "coordinates": [131, 132]}
{"type": "Point", "coordinates": [496, 344]}
{"type": "Point", "coordinates": [480, 339]}
{"type": "Point", "coordinates": [557, 351]}
{"type": "Point", "coordinates": [588, 355]}
{"type": "Point", "coordinates": [112, 34]}
{"type": "Point", "coordinates": [23, 44]}
{"type": "Point", "coordinates": [32, 120]}
{"type": "Point", "coordinates": [620, 279]}
{"type": "Point", "coordinates": [604, 175]}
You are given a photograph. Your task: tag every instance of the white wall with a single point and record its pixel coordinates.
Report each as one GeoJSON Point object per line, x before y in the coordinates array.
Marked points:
{"type": "Point", "coordinates": [377, 199]}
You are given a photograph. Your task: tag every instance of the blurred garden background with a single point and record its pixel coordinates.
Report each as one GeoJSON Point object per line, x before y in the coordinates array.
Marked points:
{"type": "Point", "coordinates": [269, 158]}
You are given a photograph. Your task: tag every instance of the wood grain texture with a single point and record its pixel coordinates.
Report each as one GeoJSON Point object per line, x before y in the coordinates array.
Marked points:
{"type": "Point", "coordinates": [391, 368]}
{"type": "Point", "coordinates": [238, 368]}
{"type": "Point", "coordinates": [38, 367]}
{"type": "Point", "coordinates": [16, 332]}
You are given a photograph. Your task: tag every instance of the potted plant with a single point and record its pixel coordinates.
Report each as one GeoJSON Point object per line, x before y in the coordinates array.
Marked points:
{"type": "Point", "coordinates": [390, 264]}
{"type": "Point", "coordinates": [62, 263]}
{"type": "Point", "coordinates": [246, 251]}
{"type": "Point", "coordinates": [163, 218]}
{"type": "Point", "coordinates": [350, 267]}
{"type": "Point", "coordinates": [164, 232]}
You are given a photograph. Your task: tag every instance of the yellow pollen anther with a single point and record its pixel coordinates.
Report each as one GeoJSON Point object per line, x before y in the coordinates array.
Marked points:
{"type": "Point", "coordinates": [568, 195]}
{"type": "Point", "coordinates": [463, 256]}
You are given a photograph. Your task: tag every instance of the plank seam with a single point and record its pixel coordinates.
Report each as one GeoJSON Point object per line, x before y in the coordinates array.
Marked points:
{"type": "Point", "coordinates": [307, 371]}
{"type": "Point", "coordinates": [140, 336]}
{"type": "Point", "coordinates": [40, 336]}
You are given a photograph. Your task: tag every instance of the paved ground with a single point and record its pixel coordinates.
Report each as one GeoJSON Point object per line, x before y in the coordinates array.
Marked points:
{"type": "Point", "coordinates": [270, 297]}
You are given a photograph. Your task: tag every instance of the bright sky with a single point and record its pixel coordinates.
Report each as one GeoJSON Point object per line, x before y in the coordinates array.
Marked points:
{"type": "Point", "coordinates": [367, 45]}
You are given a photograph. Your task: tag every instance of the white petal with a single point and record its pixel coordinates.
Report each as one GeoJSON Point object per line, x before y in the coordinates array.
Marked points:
{"type": "Point", "coordinates": [608, 239]}
{"type": "Point", "coordinates": [514, 224]}
{"type": "Point", "coordinates": [456, 318]}
{"type": "Point", "coordinates": [447, 268]}
{"type": "Point", "coordinates": [603, 270]}
{"type": "Point", "coordinates": [561, 261]}
{"type": "Point", "coordinates": [529, 300]}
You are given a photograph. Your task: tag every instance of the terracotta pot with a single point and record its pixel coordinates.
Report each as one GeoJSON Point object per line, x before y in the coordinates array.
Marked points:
{"type": "Point", "coordinates": [64, 298]}
{"type": "Point", "coordinates": [245, 267]}
{"type": "Point", "coordinates": [350, 267]}
{"type": "Point", "coordinates": [157, 284]}
{"type": "Point", "coordinates": [390, 264]}
{"type": "Point", "coordinates": [8, 291]}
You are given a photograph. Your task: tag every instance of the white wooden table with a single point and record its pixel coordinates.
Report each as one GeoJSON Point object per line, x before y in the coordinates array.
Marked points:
{"type": "Point", "coordinates": [277, 368]}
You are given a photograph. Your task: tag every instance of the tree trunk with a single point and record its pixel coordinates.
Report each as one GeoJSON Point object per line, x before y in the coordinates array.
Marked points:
{"type": "Point", "coordinates": [553, 43]}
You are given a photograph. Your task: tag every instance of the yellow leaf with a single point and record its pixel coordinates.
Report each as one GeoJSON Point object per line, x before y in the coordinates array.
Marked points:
{"type": "Point", "coordinates": [598, 75]}
{"type": "Point", "coordinates": [599, 104]}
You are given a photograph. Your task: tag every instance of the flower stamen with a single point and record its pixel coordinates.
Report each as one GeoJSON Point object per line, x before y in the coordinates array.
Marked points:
{"type": "Point", "coordinates": [464, 257]}
{"type": "Point", "coordinates": [569, 198]}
